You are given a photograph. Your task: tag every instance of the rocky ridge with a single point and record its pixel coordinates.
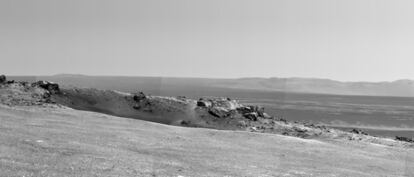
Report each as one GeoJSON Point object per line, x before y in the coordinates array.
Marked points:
{"type": "Point", "coordinates": [207, 112]}
{"type": "Point", "coordinates": [19, 93]}
{"type": "Point", "coordinates": [226, 113]}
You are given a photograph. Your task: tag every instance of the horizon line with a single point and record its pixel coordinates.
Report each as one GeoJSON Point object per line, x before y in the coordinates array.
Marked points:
{"type": "Point", "coordinates": [223, 78]}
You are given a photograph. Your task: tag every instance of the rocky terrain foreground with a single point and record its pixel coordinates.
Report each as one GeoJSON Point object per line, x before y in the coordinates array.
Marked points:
{"type": "Point", "coordinates": [44, 132]}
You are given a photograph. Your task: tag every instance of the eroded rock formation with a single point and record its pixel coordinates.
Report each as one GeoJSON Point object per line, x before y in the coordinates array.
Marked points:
{"type": "Point", "coordinates": [53, 88]}
{"type": "Point", "coordinates": [228, 108]}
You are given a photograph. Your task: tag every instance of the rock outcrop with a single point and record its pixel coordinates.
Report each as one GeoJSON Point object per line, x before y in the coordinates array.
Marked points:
{"type": "Point", "coordinates": [142, 103]}
{"type": "Point", "coordinates": [228, 108]}
{"type": "Point", "coordinates": [406, 139]}
{"type": "Point", "coordinates": [252, 116]}
{"type": "Point", "coordinates": [219, 112]}
{"type": "Point", "coordinates": [139, 97]}
{"type": "Point", "coordinates": [2, 79]}
{"type": "Point", "coordinates": [204, 103]}
{"type": "Point", "coordinates": [20, 93]}
{"type": "Point", "coordinates": [53, 88]}
{"type": "Point", "coordinates": [358, 131]}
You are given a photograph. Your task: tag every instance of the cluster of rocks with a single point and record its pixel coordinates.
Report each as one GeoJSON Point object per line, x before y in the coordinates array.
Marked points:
{"type": "Point", "coordinates": [219, 107]}
{"type": "Point", "coordinates": [358, 131]}
{"type": "Point", "coordinates": [406, 139]}
{"type": "Point", "coordinates": [50, 88]}
{"type": "Point", "coordinates": [26, 93]}
{"type": "Point", "coordinates": [253, 112]}
{"type": "Point", "coordinates": [53, 88]}
{"type": "Point", "coordinates": [226, 107]}
{"type": "Point", "coordinates": [139, 97]}
{"type": "Point", "coordinates": [161, 105]}
{"type": "Point", "coordinates": [142, 102]}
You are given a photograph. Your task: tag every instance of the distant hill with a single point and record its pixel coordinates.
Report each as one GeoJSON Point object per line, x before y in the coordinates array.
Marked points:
{"type": "Point", "coordinates": [159, 85]}
{"type": "Point", "coordinates": [404, 88]}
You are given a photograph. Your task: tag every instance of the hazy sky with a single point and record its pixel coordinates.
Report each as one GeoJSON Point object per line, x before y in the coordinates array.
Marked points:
{"type": "Point", "coordinates": [347, 40]}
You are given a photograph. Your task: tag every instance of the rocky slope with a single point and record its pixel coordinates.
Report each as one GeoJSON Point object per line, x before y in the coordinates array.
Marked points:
{"type": "Point", "coordinates": [207, 112]}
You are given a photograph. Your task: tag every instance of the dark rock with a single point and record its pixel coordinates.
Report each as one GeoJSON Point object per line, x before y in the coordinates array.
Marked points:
{"type": "Point", "coordinates": [185, 123]}
{"type": "Point", "coordinates": [219, 112]}
{"type": "Point", "coordinates": [406, 139]}
{"type": "Point", "coordinates": [140, 96]}
{"type": "Point", "coordinates": [53, 88]}
{"type": "Point", "coordinates": [142, 102]}
{"type": "Point", "coordinates": [2, 79]}
{"type": "Point", "coordinates": [252, 116]}
{"type": "Point", "coordinates": [10, 82]}
{"type": "Point", "coordinates": [252, 109]}
{"type": "Point", "coordinates": [357, 131]}
{"type": "Point", "coordinates": [203, 103]}
{"type": "Point", "coordinates": [245, 109]}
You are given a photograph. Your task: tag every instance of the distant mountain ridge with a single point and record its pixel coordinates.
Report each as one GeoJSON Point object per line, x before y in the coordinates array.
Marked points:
{"type": "Point", "coordinates": [403, 88]}
{"type": "Point", "coordinates": [399, 88]}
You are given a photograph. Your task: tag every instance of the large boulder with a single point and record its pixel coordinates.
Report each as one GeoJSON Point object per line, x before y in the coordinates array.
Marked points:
{"type": "Point", "coordinates": [2, 79]}
{"type": "Point", "coordinates": [53, 88]}
{"type": "Point", "coordinates": [219, 107]}
{"type": "Point", "coordinates": [219, 112]}
{"type": "Point", "coordinates": [204, 103]}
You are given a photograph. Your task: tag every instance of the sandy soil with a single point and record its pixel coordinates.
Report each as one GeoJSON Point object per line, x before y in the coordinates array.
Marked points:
{"type": "Point", "coordinates": [44, 141]}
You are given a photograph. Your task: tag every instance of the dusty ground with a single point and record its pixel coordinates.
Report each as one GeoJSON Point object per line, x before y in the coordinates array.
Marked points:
{"type": "Point", "coordinates": [43, 141]}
